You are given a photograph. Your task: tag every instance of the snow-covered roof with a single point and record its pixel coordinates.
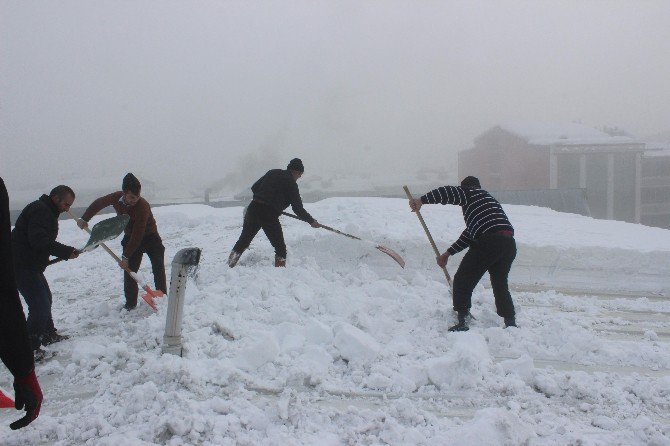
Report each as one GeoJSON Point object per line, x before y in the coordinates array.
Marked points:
{"type": "Point", "coordinates": [546, 133]}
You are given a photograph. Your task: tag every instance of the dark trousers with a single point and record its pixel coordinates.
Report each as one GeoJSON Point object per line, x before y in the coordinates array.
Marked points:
{"type": "Point", "coordinates": [34, 288]}
{"type": "Point", "coordinates": [260, 215]}
{"type": "Point", "coordinates": [152, 245]}
{"type": "Point", "coordinates": [493, 253]}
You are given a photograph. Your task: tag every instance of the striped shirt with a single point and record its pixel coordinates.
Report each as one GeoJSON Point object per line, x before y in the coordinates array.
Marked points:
{"type": "Point", "coordinates": [482, 213]}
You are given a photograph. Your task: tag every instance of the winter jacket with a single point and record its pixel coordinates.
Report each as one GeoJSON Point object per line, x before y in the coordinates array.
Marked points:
{"type": "Point", "coordinates": [15, 349]}
{"type": "Point", "coordinates": [482, 213]}
{"type": "Point", "coordinates": [141, 224]}
{"type": "Point", "coordinates": [278, 189]}
{"type": "Point", "coordinates": [34, 236]}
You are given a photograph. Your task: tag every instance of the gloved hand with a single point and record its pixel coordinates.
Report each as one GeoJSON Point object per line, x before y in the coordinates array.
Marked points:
{"type": "Point", "coordinates": [27, 392]}
{"type": "Point", "coordinates": [74, 254]}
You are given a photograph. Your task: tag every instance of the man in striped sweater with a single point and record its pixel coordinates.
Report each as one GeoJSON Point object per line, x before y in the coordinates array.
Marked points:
{"type": "Point", "coordinates": [490, 237]}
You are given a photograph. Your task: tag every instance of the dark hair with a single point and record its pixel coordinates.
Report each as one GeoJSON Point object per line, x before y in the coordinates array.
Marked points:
{"type": "Point", "coordinates": [471, 182]}
{"type": "Point", "coordinates": [296, 164]}
{"type": "Point", "coordinates": [61, 192]}
{"type": "Point", "coordinates": [131, 184]}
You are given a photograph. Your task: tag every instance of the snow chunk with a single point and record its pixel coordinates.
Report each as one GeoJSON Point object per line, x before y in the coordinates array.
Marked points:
{"type": "Point", "coordinates": [465, 364]}
{"type": "Point", "coordinates": [522, 366]}
{"type": "Point", "coordinates": [265, 349]}
{"type": "Point", "coordinates": [317, 332]}
{"type": "Point", "coordinates": [354, 344]}
{"type": "Point", "coordinates": [314, 363]}
{"type": "Point", "coordinates": [494, 426]}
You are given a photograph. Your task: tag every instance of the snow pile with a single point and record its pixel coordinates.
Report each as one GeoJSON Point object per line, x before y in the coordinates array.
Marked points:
{"type": "Point", "coordinates": [344, 347]}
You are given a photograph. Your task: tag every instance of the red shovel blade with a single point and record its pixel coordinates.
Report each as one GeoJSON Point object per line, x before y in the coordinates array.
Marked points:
{"type": "Point", "coordinates": [150, 295]}
{"type": "Point", "coordinates": [394, 255]}
{"type": "Point", "coordinates": [5, 401]}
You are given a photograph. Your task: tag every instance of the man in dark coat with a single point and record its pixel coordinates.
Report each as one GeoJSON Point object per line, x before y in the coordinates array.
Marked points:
{"type": "Point", "coordinates": [33, 241]}
{"type": "Point", "coordinates": [15, 349]}
{"type": "Point", "coordinates": [141, 235]}
{"type": "Point", "coordinates": [273, 193]}
{"type": "Point", "coordinates": [490, 238]}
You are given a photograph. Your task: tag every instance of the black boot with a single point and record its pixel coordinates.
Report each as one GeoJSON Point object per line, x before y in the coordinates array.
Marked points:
{"type": "Point", "coordinates": [233, 257]}
{"type": "Point", "coordinates": [53, 337]}
{"type": "Point", "coordinates": [41, 355]}
{"type": "Point", "coordinates": [510, 322]}
{"type": "Point", "coordinates": [461, 326]}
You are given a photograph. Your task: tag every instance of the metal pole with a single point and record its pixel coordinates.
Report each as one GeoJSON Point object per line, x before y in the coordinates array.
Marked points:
{"type": "Point", "coordinates": [184, 264]}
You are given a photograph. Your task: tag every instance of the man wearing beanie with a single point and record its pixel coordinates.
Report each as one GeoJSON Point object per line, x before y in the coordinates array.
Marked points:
{"type": "Point", "coordinates": [490, 238]}
{"type": "Point", "coordinates": [141, 235]}
{"type": "Point", "coordinates": [273, 193]}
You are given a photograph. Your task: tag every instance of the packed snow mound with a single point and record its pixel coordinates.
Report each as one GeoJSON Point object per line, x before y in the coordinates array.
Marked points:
{"type": "Point", "coordinates": [345, 347]}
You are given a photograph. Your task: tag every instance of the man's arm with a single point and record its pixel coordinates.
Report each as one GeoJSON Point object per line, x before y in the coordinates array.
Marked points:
{"type": "Point", "coordinates": [463, 242]}
{"type": "Point", "coordinates": [446, 195]}
{"type": "Point", "coordinates": [99, 204]}
{"type": "Point", "coordinates": [296, 205]}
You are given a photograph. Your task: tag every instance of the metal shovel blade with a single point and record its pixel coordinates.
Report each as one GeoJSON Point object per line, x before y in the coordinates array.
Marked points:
{"type": "Point", "coordinates": [391, 253]}
{"type": "Point", "coordinates": [105, 231]}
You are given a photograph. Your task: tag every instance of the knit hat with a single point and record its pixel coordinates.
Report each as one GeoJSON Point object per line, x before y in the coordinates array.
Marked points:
{"type": "Point", "coordinates": [296, 164]}
{"type": "Point", "coordinates": [131, 183]}
{"type": "Point", "coordinates": [471, 182]}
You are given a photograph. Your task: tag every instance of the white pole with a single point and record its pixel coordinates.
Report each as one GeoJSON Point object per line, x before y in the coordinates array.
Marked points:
{"type": "Point", "coordinates": [184, 264]}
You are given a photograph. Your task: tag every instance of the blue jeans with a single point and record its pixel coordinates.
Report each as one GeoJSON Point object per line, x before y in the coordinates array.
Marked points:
{"type": "Point", "coordinates": [35, 290]}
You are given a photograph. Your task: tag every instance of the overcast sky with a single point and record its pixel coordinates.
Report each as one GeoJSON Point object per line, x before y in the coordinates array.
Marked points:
{"type": "Point", "coordinates": [189, 91]}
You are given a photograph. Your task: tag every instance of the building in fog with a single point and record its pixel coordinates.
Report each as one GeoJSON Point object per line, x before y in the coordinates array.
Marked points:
{"type": "Point", "coordinates": [655, 184]}
{"type": "Point", "coordinates": [542, 157]}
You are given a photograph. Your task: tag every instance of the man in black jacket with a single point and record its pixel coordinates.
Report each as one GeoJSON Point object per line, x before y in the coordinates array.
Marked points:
{"type": "Point", "coordinates": [273, 193]}
{"type": "Point", "coordinates": [15, 350]}
{"type": "Point", "coordinates": [490, 238]}
{"type": "Point", "coordinates": [33, 241]}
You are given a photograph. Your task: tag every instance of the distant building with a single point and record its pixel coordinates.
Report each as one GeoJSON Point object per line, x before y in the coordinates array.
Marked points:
{"type": "Point", "coordinates": [532, 156]}
{"type": "Point", "coordinates": [655, 184]}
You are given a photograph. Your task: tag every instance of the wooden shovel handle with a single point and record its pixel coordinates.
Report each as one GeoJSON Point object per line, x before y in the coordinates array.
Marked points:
{"type": "Point", "coordinates": [430, 238]}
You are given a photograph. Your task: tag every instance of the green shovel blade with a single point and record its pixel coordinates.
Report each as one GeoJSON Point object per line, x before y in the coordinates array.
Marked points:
{"type": "Point", "coordinates": [105, 230]}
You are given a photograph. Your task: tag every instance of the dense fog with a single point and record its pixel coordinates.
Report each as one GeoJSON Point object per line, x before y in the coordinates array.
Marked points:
{"type": "Point", "coordinates": [209, 94]}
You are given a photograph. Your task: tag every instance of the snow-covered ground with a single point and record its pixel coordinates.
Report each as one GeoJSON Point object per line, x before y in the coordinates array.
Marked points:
{"type": "Point", "coordinates": [344, 347]}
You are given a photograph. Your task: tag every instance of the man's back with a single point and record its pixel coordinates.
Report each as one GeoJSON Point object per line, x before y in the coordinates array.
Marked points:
{"type": "Point", "coordinates": [35, 229]}
{"type": "Point", "coordinates": [278, 189]}
{"type": "Point", "coordinates": [275, 188]}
